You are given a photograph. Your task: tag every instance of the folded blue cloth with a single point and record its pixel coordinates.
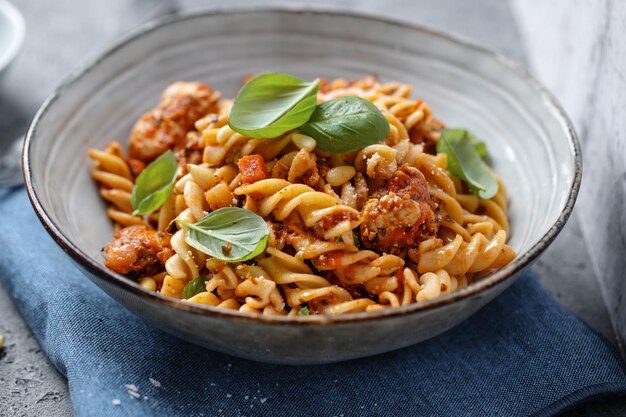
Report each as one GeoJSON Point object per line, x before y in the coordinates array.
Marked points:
{"type": "Point", "coordinates": [521, 355]}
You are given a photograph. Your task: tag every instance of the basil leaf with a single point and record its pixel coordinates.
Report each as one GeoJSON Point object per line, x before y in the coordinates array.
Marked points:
{"type": "Point", "coordinates": [155, 184]}
{"type": "Point", "coordinates": [231, 234]}
{"type": "Point", "coordinates": [357, 239]}
{"type": "Point", "coordinates": [458, 134]}
{"type": "Point", "coordinates": [272, 104]}
{"type": "Point", "coordinates": [304, 311]}
{"type": "Point", "coordinates": [346, 124]}
{"type": "Point", "coordinates": [194, 287]}
{"type": "Point", "coordinates": [464, 161]}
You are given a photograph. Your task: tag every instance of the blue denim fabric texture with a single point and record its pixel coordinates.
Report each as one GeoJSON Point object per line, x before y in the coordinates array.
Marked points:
{"type": "Point", "coordinates": [521, 355]}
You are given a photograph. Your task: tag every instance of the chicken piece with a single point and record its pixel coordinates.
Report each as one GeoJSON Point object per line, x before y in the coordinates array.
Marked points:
{"type": "Point", "coordinates": [136, 166]}
{"type": "Point", "coordinates": [137, 249]}
{"type": "Point", "coordinates": [401, 213]}
{"type": "Point", "coordinates": [166, 126]}
{"type": "Point", "coordinates": [252, 169]}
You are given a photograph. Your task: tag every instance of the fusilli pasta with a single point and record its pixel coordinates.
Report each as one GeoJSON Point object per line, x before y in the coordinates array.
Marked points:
{"type": "Point", "coordinates": [377, 228]}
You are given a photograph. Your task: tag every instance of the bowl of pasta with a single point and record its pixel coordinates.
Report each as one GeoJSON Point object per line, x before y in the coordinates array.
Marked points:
{"type": "Point", "coordinates": [301, 186]}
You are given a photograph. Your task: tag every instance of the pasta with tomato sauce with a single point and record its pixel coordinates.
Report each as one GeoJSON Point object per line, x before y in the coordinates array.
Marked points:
{"type": "Point", "coordinates": [379, 227]}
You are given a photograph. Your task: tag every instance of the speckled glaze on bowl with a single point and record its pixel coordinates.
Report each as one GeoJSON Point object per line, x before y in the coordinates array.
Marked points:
{"type": "Point", "coordinates": [533, 146]}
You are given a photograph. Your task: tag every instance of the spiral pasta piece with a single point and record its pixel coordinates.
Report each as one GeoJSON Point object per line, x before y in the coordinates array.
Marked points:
{"type": "Point", "coordinates": [299, 283]}
{"type": "Point", "coordinates": [183, 264]}
{"type": "Point", "coordinates": [116, 182]}
{"type": "Point", "coordinates": [459, 257]}
{"type": "Point", "coordinates": [281, 198]}
{"type": "Point", "coordinates": [377, 161]}
{"type": "Point", "coordinates": [258, 291]}
{"type": "Point", "coordinates": [358, 267]}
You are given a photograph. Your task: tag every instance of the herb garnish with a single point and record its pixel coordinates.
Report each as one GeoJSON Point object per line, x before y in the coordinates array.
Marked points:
{"type": "Point", "coordinates": [346, 124]}
{"type": "Point", "coordinates": [272, 104]}
{"type": "Point", "coordinates": [231, 234]}
{"type": "Point", "coordinates": [357, 238]}
{"type": "Point", "coordinates": [155, 184]}
{"type": "Point", "coordinates": [304, 311]}
{"type": "Point", "coordinates": [457, 134]}
{"type": "Point", "coordinates": [194, 287]}
{"type": "Point", "coordinates": [464, 153]}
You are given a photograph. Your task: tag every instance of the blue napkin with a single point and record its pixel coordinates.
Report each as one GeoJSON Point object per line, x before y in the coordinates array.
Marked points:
{"type": "Point", "coordinates": [521, 355]}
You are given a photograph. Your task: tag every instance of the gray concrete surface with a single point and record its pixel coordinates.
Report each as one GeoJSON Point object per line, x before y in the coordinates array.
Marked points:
{"type": "Point", "coordinates": [590, 80]}
{"type": "Point", "coordinates": [29, 384]}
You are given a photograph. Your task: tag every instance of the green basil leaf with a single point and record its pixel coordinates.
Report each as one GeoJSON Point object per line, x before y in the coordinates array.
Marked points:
{"type": "Point", "coordinates": [465, 162]}
{"type": "Point", "coordinates": [357, 239]}
{"type": "Point", "coordinates": [194, 287]}
{"type": "Point", "coordinates": [304, 311]}
{"type": "Point", "coordinates": [458, 134]}
{"type": "Point", "coordinates": [231, 234]}
{"type": "Point", "coordinates": [155, 184]}
{"type": "Point", "coordinates": [272, 104]}
{"type": "Point", "coordinates": [346, 124]}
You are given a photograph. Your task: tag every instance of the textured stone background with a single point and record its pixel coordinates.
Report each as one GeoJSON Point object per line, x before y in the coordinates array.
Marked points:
{"type": "Point", "coordinates": [588, 43]}
{"type": "Point", "coordinates": [62, 33]}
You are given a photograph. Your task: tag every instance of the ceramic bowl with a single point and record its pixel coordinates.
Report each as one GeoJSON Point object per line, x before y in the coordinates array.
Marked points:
{"type": "Point", "coordinates": [533, 146]}
{"type": "Point", "coordinates": [11, 34]}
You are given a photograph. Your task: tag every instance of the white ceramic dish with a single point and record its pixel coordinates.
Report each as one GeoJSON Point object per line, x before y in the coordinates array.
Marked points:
{"type": "Point", "coordinates": [12, 30]}
{"type": "Point", "coordinates": [533, 146]}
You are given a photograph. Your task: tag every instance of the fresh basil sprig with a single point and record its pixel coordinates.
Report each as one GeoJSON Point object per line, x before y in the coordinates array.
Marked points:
{"type": "Point", "coordinates": [272, 104]}
{"type": "Point", "coordinates": [346, 124]}
{"type": "Point", "coordinates": [457, 134]}
{"type": "Point", "coordinates": [464, 161]}
{"type": "Point", "coordinates": [231, 234]}
{"type": "Point", "coordinates": [155, 184]}
{"type": "Point", "coordinates": [194, 287]}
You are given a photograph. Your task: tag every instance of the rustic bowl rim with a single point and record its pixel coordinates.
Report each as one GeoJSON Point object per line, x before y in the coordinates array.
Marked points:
{"type": "Point", "coordinates": [519, 263]}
